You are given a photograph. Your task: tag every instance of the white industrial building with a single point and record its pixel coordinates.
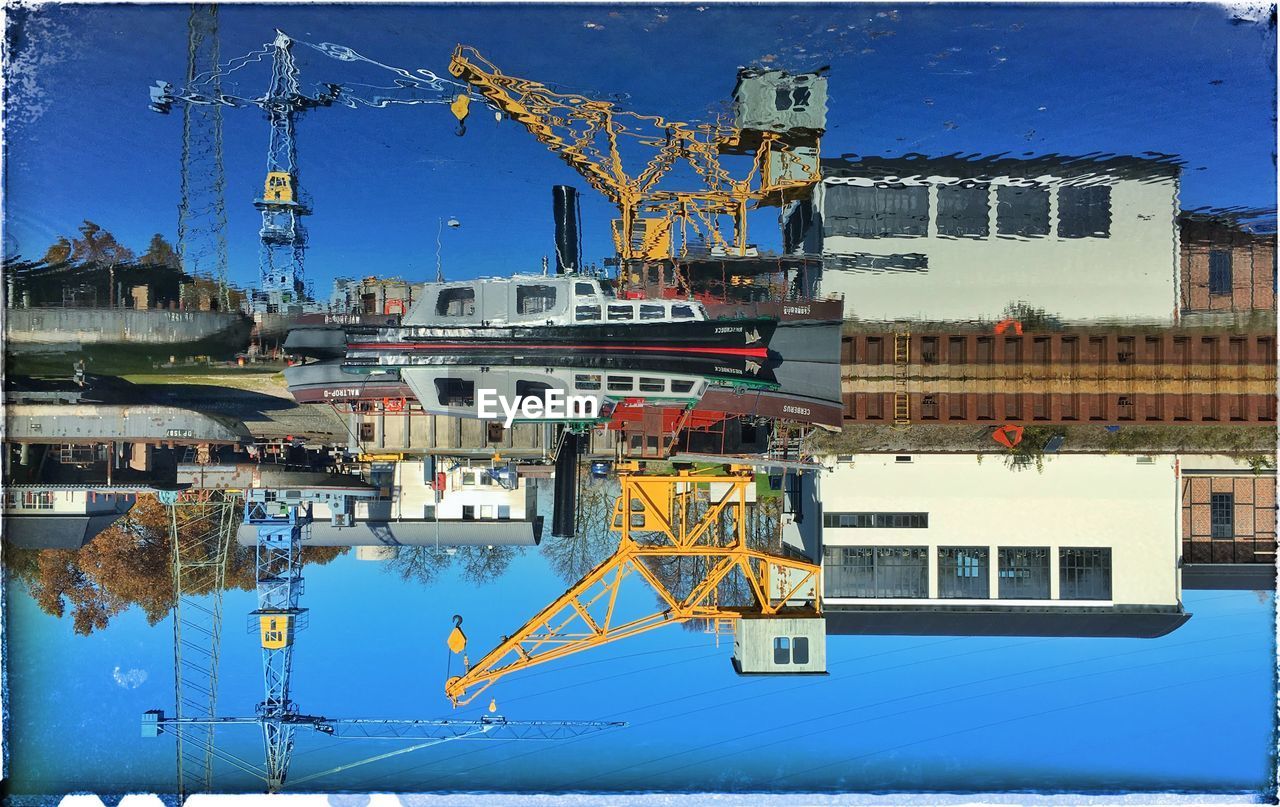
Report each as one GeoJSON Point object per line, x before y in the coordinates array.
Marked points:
{"type": "Point", "coordinates": [471, 492]}
{"type": "Point", "coordinates": [952, 239]}
{"type": "Point", "coordinates": [944, 543]}
{"type": "Point", "coordinates": [51, 516]}
{"type": "Point", "coordinates": [461, 504]}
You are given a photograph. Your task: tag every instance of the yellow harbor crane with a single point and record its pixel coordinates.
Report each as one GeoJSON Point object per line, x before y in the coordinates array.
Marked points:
{"type": "Point", "coordinates": [689, 515]}
{"type": "Point", "coordinates": [588, 134]}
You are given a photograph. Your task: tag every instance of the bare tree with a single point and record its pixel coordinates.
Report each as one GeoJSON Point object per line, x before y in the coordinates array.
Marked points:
{"type": "Point", "coordinates": [485, 564]}
{"type": "Point", "coordinates": [419, 564]}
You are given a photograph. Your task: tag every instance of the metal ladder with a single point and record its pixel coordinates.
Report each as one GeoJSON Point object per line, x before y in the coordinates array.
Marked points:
{"type": "Point", "coordinates": [901, 361]}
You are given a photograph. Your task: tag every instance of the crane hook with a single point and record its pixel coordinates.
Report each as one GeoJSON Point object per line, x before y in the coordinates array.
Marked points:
{"type": "Point", "coordinates": [457, 639]}
{"type": "Point", "coordinates": [459, 107]}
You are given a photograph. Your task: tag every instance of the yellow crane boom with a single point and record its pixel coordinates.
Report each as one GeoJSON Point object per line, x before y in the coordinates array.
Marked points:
{"type": "Point", "coordinates": [588, 135]}
{"type": "Point", "coordinates": [681, 515]}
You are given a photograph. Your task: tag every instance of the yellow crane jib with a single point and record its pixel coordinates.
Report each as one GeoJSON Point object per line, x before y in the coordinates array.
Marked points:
{"type": "Point", "coordinates": [696, 518]}
{"type": "Point", "coordinates": [590, 136]}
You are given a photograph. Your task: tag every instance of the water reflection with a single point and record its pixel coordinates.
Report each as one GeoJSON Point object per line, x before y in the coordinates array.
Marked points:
{"type": "Point", "coordinates": [936, 458]}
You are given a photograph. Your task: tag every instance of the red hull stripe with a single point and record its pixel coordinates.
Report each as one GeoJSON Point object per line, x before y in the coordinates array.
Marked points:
{"type": "Point", "coordinates": [712, 351]}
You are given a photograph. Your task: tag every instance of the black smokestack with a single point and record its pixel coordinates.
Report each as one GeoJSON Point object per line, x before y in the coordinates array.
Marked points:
{"type": "Point", "coordinates": [564, 206]}
{"type": "Point", "coordinates": [564, 510]}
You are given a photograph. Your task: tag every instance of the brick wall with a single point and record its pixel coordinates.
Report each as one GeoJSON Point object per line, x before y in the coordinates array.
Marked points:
{"type": "Point", "coordinates": [1253, 261]}
{"type": "Point", "coordinates": [1254, 535]}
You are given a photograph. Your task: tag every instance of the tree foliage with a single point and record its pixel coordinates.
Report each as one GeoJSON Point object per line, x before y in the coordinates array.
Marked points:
{"type": "Point", "coordinates": [58, 252]}
{"type": "Point", "coordinates": [480, 565]}
{"type": "Point", "coordinates": [160, 253]}
{"type": "Point", "coordinates": [573, 556]}
{"type": "Point", "coordinates": [96, 245]}
{"type": "Point", "coordinates": [126, 565]}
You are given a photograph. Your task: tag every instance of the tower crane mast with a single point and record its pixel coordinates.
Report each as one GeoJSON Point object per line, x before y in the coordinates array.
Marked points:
{"type": "Point", "coordinates": [280, 520]}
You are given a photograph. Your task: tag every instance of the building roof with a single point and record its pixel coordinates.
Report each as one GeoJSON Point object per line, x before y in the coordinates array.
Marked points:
{"type": "Point", "coordinates": [1064, 621]}
{"type": "Point", "coordinates": [1229, 577]}
{"type": "Point", "coordinates": [975, 166]}
{"type": "Point", "coordinates": [56, 532]}
{"type": "Point", "coordinates": [415, 533]}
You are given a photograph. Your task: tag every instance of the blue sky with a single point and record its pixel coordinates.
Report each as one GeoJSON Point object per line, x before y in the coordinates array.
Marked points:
{"type": "Point", "coordinates": [1192, 710]}
{"type": "Point", "coordinates": [1186, 80]}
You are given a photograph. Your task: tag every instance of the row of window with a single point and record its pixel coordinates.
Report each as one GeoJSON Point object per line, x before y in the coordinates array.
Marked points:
{"type": "Point", "coordinates": [627, 383]}
{"type": "Point", "coordinates": [535, 298]}
{"type": "Point", "coordinates": [878, 520]}
{"type": "Point", "coordinates": [964, 572]}
{"type": "Point", "coordinates": [880, 211]}
{"type": "Point", "coordinates": [462, 391]}
{"type": "Point", "coordinates": [484, 512]}
{"type": "Point", "coordinates": [29, 499]}
{"type": "Point", "coordinates": [625, 312]}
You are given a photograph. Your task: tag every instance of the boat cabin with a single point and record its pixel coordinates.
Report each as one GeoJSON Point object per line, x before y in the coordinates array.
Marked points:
{"type": "Point", "coordinates": [539, 300]}
{"type": "Point", "coordinates": [573, 394]}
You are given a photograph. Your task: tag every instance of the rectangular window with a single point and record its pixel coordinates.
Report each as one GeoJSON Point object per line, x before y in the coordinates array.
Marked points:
{"type": "Point", "coordinates": [799, 650]}
{"type": "Point", "coordinates": [880, 571]}
{"type": "Point", "coordinates": [1220, 271]}
{"type": "Point", "coordinates": [1222, 515]}
{"type": "Point", "coordinates": [504, 511]}
{"type": "Point", "coordinates": [681, 312]}
{"type": "Point", "coordinates": [865, 211]}
{"type": "Point", "coordinates": [586, 381]}
{"type": "Point", "coordinates": [652, 384]}
{"type": "Point", "coordinates": [1024, 573]}
{"type": "Point", "coordinates": [781, 650]}
{"type": "Point", "coordinates": [456, 303]}
{"type": "Point", "coordinates": [37, 500]}
{"type": "Point", "coordinates": [532, 389]}
{"type": "Point", "coordinates": [537, 299]}
{"type": "Point", "coordinates": [1022, 211]}
{"type": "Point", "coordinates": [620, 383]}
{"type": "Point", "coordinates": [1084, 212]}
{"type": "Point", "coordinates": [455, 392]}
{"type": "Point", "coordinates": [914, 521]}
{"type": "Point", "coordinates": [964, 211]}
{"type": "Point", "coordinates": [681, 386]}
{"type": "Point", "coordinates": [468, 512]}
{"type": "Point", "coordinates": [620, 312]}
{"type": "Point", "coordinates": [587, 313]}
{"type": "Point", "coordinates": [652, 312]}
{"type": "Point", "coordinates": [963, 572]}
{"type": "Point", "coordinates": [584, 289]}
{"type": "Point", "coordinates": [1084, 574]}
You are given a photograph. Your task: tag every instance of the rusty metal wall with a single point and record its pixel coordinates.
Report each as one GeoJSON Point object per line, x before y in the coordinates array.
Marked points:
{"type": "Point", "coordinates": [1065, 377]}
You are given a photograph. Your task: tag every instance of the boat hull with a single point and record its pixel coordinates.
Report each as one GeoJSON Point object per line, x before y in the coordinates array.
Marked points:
{"type": "Point", "coordinates": [725, 337]}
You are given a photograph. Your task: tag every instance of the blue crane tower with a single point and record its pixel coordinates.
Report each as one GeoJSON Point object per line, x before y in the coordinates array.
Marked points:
{"type": "Point", "coordinates": [281, 519]}
{"type": "Point", "coordinates": [284, 240]}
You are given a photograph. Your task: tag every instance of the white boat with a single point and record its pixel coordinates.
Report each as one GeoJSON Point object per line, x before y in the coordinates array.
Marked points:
{"type": "Point", "coordinates": [544, 393]}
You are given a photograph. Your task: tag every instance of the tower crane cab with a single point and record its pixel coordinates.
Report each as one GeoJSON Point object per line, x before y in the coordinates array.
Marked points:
{"type": "Point", "coordinates": [278, 187]}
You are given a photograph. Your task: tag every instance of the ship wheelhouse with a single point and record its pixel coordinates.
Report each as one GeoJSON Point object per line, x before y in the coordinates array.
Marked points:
{"type": "Point", "coordinates": [537, 300]}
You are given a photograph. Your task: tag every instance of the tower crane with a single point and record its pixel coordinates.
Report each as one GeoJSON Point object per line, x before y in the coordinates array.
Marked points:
{"type": "Point", "coordinates": [280, 520]}
{"type": "Point", "coordinates": [694, 516]}
{"type": "Point", "coordinates": [202, 212]}
{"type": "Point", "coordinates": [201, 525]}
{"type": "Point", "coordinates": [589, 135]}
